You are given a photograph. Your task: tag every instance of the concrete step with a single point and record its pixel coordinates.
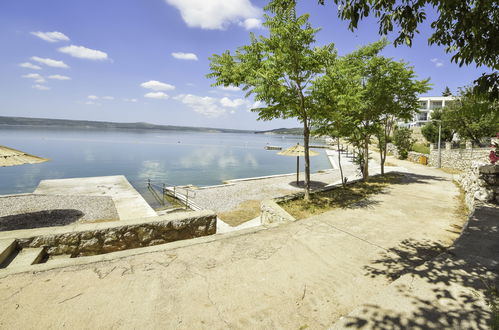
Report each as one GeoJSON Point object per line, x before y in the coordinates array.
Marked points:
{"type": "Point", "coordinates": [27, 256]}
{"type": "Point", "coordinates": [7, 247]}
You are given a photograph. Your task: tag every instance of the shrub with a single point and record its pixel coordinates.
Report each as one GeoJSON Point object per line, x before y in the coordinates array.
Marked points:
{"type": "Point", "coordinates": [403, 141]}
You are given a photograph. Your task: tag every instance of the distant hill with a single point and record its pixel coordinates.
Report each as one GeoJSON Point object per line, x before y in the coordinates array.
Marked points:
{"type": "Point", "coordinates": [292, 131]}
{"type": "Point", "coordinates": [87, 124]}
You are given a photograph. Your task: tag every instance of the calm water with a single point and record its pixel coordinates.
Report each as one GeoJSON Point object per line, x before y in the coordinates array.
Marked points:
{"type": "Point", "coordinates": [174, 158]}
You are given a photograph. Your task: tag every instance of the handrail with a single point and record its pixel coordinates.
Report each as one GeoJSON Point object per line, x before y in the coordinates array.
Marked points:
{"type": "Point", "coordinates": [174, 190]}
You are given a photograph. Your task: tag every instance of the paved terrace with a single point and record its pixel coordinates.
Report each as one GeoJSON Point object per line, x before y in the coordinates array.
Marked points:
{"type": "Point", "coordinates": [308, 273]}
{"type": "Point", "coordinates": [129, 203]}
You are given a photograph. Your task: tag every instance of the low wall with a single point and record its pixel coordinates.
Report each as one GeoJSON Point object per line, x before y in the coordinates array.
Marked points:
{"type": "Point", "coordinates": [481, 184]}
{"type": "Point", "coordinates": [460, 159]}
{"type": "Point", "coordinates": [92, 239]}
{"type": "Point", "coordinates": [415, 156]}
{"type": "Point", "coordinates": [272, 213]}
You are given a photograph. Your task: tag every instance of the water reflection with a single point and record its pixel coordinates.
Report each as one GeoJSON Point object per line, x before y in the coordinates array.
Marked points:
{"type": "Point", "coordinates": [199, 158]}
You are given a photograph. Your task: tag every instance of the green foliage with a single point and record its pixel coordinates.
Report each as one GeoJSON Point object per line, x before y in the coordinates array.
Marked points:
{"type": "Point", "coordinates": [402, 138]}
{"type": "Point", "coordinates": [472, 116]}
{"type": "Point", "coordinates": [430, 130]}
{"type": "Point", "coordinates": [468, 29]}
{"type": "Point", "coordinates": [362, 94]}
{"type": "Point", "coordinates": [279, 69]}
{"type": "Point", "coordinates": [420, 147]}
{"type": "Point", "coordinates": [446, 92]}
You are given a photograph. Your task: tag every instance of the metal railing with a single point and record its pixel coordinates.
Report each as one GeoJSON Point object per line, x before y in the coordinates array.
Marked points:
{"type": "Point", "coordinates": [180, 193]}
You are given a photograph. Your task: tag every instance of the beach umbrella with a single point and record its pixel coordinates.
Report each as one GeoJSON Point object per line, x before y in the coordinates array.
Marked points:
{"type": "Point", "coordinates": [12, 157]}
{"type": "Point", "coordinates": [297, 151]}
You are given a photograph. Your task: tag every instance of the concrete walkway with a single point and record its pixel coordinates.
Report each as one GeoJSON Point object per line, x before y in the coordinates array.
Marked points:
{"type": "Point", "coordinates": [129, 203]}
{"type": "Point", "coordinates": [306, 274]}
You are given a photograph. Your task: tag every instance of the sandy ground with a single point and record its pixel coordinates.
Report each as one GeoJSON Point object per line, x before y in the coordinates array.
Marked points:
{"type": "Point", "coordinates": [305, 274]}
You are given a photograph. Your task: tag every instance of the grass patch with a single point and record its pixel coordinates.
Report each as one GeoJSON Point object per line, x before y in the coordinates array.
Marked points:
{"type": "Point", "coordinates": [450, 170]}
{"type": "Point", "coordinates": [245, 211]}
{"type": "Point", "coordinates": [354, 195]}
{"type": "Point", "coordinates": [421, 148]}
{"type": "Point", "coordinates": [390, 164]}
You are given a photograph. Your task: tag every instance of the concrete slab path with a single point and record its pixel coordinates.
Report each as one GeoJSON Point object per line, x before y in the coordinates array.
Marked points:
{"type": "Point", "coordinates": [129, 203]}
{"type": "Point", "coordinates": [305, 274]}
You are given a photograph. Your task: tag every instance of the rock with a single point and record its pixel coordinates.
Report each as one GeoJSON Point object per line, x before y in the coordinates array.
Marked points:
{"type": "Point", "coordinates": [144, 234]}
{"type": "Point", "coordinates": [489, 169]}
{"type": "Point", "coordinates": [484, 195]}
{"type": "Point", "coordinates": [91, 245]}
{"type": "Point", "coordinates": [157, 242]}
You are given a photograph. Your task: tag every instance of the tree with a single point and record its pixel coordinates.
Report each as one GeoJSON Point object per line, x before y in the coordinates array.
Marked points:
{"type": "Point", "coordinates": [472, 116]}
{"type": "Point", "coordinates": [364, 94]}
{"type": "Point", "coordinates": [446, 92]}
{"type": "Point", "coordinates": [430, 130]}
{"type": "Point", "coordinates": [468, 29]}
{"type": "Point", "coordinates": [278, 69]}
{"type": "Point", "coordinates": [402, 138]}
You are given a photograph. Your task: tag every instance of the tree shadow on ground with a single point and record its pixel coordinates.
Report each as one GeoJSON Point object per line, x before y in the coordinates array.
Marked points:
{"type": "Point", "coordinates": [313, 184]}
{"type": "Point", "coordinates": [46, 218]}
{"type": "Point", "coordinates": [443, 306]}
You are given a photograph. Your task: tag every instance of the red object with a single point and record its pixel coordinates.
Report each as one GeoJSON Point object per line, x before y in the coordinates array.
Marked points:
{"type": "Point", "coordinates": [493, 157]}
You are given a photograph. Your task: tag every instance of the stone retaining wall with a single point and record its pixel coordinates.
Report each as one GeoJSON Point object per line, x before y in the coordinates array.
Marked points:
{"type": "Point", "coordinates": [92, 239]}
{"type": "Point", "coordinates": [481, 184]}
{"type": "Point", "coordinates": [460, 159]}
{"type": "Point", "coordinates": [271, 212]}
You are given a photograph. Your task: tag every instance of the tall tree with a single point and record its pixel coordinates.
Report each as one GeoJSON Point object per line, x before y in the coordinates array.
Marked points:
{"type": "Point", "coordinates": [363, 94]}
{"type": "Point", "coordinates": [430, 130]}
{"type": "Point", "coordinates": [278, 69]}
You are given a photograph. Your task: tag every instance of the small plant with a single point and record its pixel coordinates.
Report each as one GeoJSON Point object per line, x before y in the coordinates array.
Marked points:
{"type": "Point", "coordinates": [402, 138]}
{"type": "Point", "coordinates": [494, 154]}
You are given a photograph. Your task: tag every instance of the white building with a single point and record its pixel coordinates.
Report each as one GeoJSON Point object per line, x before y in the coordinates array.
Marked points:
{"type": "Point", "coordinates": [427, 105]}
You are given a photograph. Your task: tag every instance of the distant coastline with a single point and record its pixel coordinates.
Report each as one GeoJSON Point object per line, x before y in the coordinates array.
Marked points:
{"type": "Point", "coordinates": [89, 124]}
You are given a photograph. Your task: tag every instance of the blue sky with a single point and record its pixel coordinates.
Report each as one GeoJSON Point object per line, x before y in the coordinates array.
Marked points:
{"type": "Point", "coordinates": [146, 60]}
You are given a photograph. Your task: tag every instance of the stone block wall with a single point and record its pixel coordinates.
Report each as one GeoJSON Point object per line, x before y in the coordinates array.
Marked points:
{"type": "Point", "coordinates": [480, 183]}
{"type": "Point", "coordinates": [92, 239]}
{"type": "Point", "coordinates": [272, 213]}
{"type": "Point", "coordinates": [460, 159]}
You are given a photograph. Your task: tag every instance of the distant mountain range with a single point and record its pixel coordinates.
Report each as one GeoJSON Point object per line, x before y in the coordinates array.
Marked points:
{"type": "Point", "coordinates": [88, 124]}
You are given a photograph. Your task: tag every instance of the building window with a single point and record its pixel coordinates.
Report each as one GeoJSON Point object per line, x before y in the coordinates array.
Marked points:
{"type": "Point", "coordinates": [423, 104]}
{"type": "Point", "coordinates": [422, 116]}
{"type": "Point", "coordinates": [435, 105]}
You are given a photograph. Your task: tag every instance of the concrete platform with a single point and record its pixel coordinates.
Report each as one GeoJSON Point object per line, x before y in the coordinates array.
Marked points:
{"type": "Point", "coordinates": [129, 203]}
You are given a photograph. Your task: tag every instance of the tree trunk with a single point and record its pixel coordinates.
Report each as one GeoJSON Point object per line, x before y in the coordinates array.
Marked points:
{"type": "Point", "coordinates": [365, 172]}
{"type": "Point", "coordinates": [306, 136]}
{"type": "Point", "coordinates": [339, 164]}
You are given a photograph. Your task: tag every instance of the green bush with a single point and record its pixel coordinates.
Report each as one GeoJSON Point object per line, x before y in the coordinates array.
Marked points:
{"type": "Point", "coordinates": [421, 147]}
{"type": "Point", "coordinates": [402, 138]}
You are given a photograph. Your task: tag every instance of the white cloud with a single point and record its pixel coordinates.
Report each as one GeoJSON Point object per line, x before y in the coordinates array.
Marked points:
{"type": "Point", "coordinates": [214, 14]}
{"type": "Point", "coordinates": [50, 62]}
{"type": "Point", "coordinates": [229, 88]}
{"type": "Point", "coordinates": [156, 95]}
{"type": "Point", "coordinates": [110, 98]}
{"type": "Point", "coordinates": [58, 77]}
{"type": "Point", "coordinates": [157, 85]}
{"type": "Point", "coordinates": [438, 62]}
{"type": "Point", "coordinates": [130, 100]}
{"type": "Point", "coordinates": [226, 102]}
{"type": "Point", "coordinates": [40, 87]}
{"type": "Point", "coordinates": [251, 23]}
{"type": "Point", "coordinates": [29, 65]}
{"type": "Point", "coordinates": [185, 56]}
{"type": "Point", "coordinates": [92, 97]}
{"type": "Point", "coordinates": [93, 103]}
{"type": "Point", "coordinates": [37, 77]}
{"type": "Point", "coordinates": [51, 36]}
{"type": "Point", "coordinates": [206, 105]}
{"type": "Point", "coordinates": [84, 52]}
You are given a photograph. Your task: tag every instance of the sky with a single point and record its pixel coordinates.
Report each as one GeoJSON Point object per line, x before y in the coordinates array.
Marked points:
{"type": "Point", "coordinates": [147, 60]}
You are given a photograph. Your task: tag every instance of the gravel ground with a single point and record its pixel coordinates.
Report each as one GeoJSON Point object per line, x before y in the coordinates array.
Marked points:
{"type": "Point", "coordinates": [34, 211]}
{"type": "Point", "coordinates": [228, 197]}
